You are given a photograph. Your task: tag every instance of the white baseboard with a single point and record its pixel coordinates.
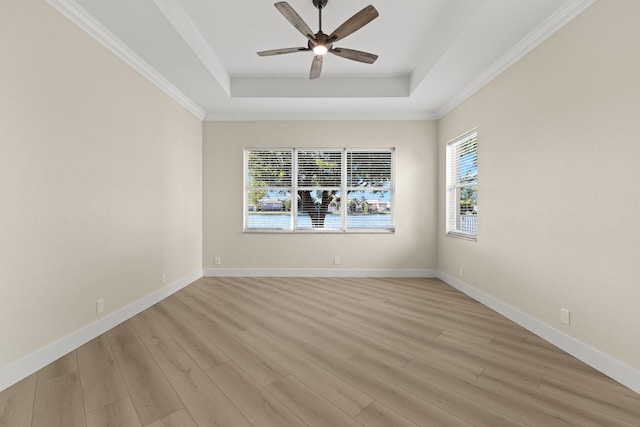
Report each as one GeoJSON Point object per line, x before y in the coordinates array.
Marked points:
{"type": "Point", "coordinates": [608, 365]}
{"type": "Point", "coordinates": [319, 272]}
{"type": "Point", "coordinates": [22, 368]}
{"type": "Point", "coordinates": [619, 371]}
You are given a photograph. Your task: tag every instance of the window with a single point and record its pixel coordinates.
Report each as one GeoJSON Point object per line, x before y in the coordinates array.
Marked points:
{"type": "Point", "coordinates": [325, 189]}
{"type": "Point", "coordinates": [462, 182]}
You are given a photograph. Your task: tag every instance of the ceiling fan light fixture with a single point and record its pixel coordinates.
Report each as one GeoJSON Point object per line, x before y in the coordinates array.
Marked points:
{"type": "Point", "coordinates": [321, 43]}
{"type": "Point", "coordinates": [320, 49]}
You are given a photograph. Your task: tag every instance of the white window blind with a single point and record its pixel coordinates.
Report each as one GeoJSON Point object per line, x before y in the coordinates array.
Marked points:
{"type": "Point", "coordinates": [268, 186]}
{"type": "Point", "coordinates": [368, 180]}
{"type": "Point", "coordinates": [462, 180]}
{"type": "Point", "coordinates": [319, 175]}
{"type": "Point", "coordinates": [334, 190]}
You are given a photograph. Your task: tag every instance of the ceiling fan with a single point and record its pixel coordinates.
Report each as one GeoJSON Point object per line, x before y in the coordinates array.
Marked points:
{"type": "Point", "coordinates": [321, 43]}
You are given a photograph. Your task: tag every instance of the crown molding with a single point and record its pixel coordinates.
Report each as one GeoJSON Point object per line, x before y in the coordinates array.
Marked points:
{"type": "Point", "coordinates": [81, 18]}
{"type": "Point", "coordinates": [556, 21]}
{"type": "Point", "coordinates": [337, 88]}
{"type": "Point", "coordinates": [318, 116]}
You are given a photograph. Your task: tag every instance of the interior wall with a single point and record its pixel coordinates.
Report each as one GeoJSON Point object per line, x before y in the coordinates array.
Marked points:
{"type": "Point", "coordinates": [558, 169]}
{"type": "Point", "coordinates": [411, 249]}
{"type": "Point", "coordinates": [100, 182]}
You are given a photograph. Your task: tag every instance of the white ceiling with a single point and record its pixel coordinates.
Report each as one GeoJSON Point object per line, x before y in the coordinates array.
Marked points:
{"type": "Point", "coordinates": [432, 53]}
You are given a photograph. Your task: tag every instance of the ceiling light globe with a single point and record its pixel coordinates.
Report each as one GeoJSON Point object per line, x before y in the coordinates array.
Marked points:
{"type": "Point", "coordinates": [320, 49]}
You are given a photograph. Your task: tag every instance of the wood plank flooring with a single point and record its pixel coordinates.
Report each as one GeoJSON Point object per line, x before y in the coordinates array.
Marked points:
{"type": "Point", "coordinates": [317, 352]}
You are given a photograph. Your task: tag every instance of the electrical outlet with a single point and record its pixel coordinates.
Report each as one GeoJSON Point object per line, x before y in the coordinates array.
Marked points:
{"type": "Point", "coordinates": [99, 306]}
{"type": "Point", "coordinates": [461, 272]}
{"type": "Point", "coordinates": [164, 278]}
{"type": "Point", "coordinates": [218, 260]}
{"type": "Point", "coordinates": [336, 260]}
{"type": "Point", "coordinates": [565, 316]}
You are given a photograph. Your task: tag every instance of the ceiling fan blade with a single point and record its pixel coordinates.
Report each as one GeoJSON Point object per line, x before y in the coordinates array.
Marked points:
{"type": "Point", "coordinates": [354, 23]}
{"type": "Point", "coordinates": [355, 55]}
{"type": "Point", "coordinates": [295, 19]}
{"type": "Point", "coordinates": [316, 67]}
{"type": "Point", "coordinates": [283, 51]}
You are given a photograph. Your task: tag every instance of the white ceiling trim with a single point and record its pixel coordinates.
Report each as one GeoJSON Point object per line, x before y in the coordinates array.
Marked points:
{"type": "Point", "coordinates": [392, 87]}
{"type": "Point", "coordinates": [188, 30]}
{"type": "Point", "coordinates": [562, 16]}
{"type": "Point", "coordinates": [319, 116]}
{"type": "Point", "coordinates": [80, 17]}
{"type": "Point", "coordinates": [322, 88]}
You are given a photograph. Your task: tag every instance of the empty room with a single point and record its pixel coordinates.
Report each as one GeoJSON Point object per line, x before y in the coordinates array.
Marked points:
{"type": "Point", "coordinates": [319, 213]}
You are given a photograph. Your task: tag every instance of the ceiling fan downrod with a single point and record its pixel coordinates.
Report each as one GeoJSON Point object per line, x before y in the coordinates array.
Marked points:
{"type": "Point", "coordinates": [320, 4]}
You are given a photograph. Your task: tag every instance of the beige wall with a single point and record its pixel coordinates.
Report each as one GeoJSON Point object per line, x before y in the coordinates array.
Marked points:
{"type": "Point", "coordinates": [558, 177]}
{"type": "Point", "coordinates": [102, 188]}
{"type": "Point", "coordinates": [100, 181]}
{"type": "Point", "coordinates": [412, 247]}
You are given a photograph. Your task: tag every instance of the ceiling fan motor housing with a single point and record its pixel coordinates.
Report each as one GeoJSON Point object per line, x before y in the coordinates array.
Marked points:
{"type": "Point", "coordinates": [321, 39]}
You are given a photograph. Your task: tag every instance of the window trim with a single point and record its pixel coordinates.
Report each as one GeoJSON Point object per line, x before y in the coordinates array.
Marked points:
{"type": "Point", "coordinates": [344, 189]}
{"type": "Point", "coordinates": [453, 185]}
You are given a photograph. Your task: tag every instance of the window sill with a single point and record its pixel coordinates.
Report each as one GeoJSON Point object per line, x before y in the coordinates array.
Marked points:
{"type": "Point", "coordinates": [463, 236]}
{"type": "Point", "coordinates": [310, 231]}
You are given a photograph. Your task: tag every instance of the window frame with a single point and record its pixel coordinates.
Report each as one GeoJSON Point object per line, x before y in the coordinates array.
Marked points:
{"type": "Point", "coordinates": [344, 190]}
{"type": "Point", "coordinates": [454, 185]}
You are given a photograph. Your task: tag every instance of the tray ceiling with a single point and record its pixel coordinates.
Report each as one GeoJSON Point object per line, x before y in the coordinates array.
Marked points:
{"type": "Point", "coordinates": [432, 54]}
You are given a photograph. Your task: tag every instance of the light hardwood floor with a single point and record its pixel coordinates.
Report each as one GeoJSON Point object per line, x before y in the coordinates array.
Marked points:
{"type": "Point", "coordinates": [317, 352]}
